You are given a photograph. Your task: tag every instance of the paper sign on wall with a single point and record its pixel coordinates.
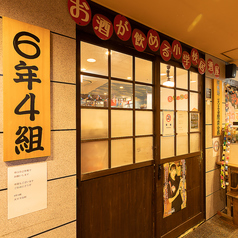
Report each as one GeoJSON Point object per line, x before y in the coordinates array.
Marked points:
{"type": "Point", "coordinates": [26, 90]}
{"type": "Point", "coordinates": [27, 189]}
{"type": "Point", "coordinates": [168, 123]}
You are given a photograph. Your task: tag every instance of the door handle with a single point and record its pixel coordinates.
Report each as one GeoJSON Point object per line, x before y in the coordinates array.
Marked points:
{"type": "Point", "coordinates": [159, 172]}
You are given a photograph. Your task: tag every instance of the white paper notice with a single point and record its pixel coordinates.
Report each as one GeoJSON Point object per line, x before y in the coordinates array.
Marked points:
{"type": "Point", "coordinates": [27, 189]}
{"type": "Point", "coordinates": [168, 123]}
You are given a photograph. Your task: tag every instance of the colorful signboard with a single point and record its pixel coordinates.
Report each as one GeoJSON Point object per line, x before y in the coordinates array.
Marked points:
{"type": "Point", "coordinates": [194, 56]}
{"type": "Point", "coordinates": [101, 24]}
{"type": "Point", "coordinates": [165, 50]}
{"type": "Point", "coordinates": [153, 40]}
{"type": "Point", "coordinates": [80, 11]}
{"type": "Point", "coordinates": [210, 66]}
{"type": "Point", "coordinates": [186, 60]}
{"type": "Point", "coordinates": [177, 49]}
{"type": "Point", "coordinates": [174, 191]}
{"type": "Point", "coordinates": [26, 75]}
{"type": "Point", "coordinates": [217, 107]}
{"type": "Point", "coordinates": [139, 40]}
{"type": "Point", "coordinates": [122, 27]}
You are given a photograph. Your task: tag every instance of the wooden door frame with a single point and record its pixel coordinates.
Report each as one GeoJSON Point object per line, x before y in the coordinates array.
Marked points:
{"type": "Point", "coordinates": [159, 162]}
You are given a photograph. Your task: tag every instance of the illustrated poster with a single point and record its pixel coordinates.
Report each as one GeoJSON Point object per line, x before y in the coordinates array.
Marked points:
{"type": "Point", "coordinates": [174, 191]}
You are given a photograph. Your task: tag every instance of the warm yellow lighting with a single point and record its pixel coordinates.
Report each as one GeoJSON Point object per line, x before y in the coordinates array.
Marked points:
{"type": "Point", "coordinates": [162, 74]}
{"type": "Point", "coordinates": [121, 87]}
{"type": "Point", "coordinates": [105, 93]}
{"type": "Point", "coordinates": [128, 77]}
{"type": "Point", "coordinates": [91, 60]}
{"type": "Point", "coordinates": [195, 22]}
{"type": "Point", "coordinates": [83, 69]}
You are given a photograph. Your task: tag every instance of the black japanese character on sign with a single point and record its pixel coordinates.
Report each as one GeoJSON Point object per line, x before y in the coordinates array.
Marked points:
{"type": "Point", "coordinates": [26, 77]}
{"type": "Point", "coordinates": [32, 110]}
{"type": "Point", "coordinates": [31, 143]}
{"type": "Point", "coordinates": [17, 42]}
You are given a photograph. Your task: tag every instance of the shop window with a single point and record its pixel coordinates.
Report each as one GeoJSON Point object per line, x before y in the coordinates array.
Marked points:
{"type": "Point", "coordinates": [179, 110]}
{"type": "Point", "coordinates": [116, 109]}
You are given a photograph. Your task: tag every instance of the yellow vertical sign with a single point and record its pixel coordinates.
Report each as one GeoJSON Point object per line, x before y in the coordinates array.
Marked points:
{"type": "Point", "coordinates": [217, 107]}
{"type": "Point", "coordinates": [26, 90]}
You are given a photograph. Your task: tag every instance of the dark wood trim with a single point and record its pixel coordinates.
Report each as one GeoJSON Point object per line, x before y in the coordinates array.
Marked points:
{"type": "Point", "coordinates": [134, 113]}
{"type": "Point", "coordinates": [180, 157]}
{"type": "Point", "coordinates": [111, 171]}
{"type": "Point", "coordinates": [184, 226]}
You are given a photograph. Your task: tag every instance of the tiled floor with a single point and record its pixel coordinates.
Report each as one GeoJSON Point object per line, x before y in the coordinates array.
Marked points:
{"type": "Point", "coordinates": [215, 227]}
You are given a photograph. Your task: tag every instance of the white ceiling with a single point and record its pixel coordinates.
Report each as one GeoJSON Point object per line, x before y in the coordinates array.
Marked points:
{"type": "Point", "coordinates": [208, 25]}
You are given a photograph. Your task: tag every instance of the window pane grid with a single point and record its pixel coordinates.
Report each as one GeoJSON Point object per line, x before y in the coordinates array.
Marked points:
{"type": "Point", "coordinates": [122, 93]}
{"type": "Point", "coordinates": [181, 103]}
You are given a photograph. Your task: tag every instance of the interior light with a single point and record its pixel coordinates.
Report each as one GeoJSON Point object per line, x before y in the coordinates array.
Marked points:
{"type": "Point", "coordinates": [128, 77]}
{"type": "Point", "coordinates": [83, 69]}
{"type": "Point", "coordinates": [162, 74]}
{"type": "Point", "coordinates": [81, 78]}
{"type": "Point", "coordinates": [193, 81]}
{"type": "Point", "coordinates": [121, 87]}
{"type": "Point", "coordinates": [105, 93]}
{"type": "Point", "coordinates": [168, 83]}
{"type": "Point", "coordinates": [91, 60]}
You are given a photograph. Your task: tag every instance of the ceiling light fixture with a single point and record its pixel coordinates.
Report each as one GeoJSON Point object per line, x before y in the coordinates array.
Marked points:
{"type": "Point", "coordinates": [168, 82]}
{"type": "Point", "coordinates": [91, 60]}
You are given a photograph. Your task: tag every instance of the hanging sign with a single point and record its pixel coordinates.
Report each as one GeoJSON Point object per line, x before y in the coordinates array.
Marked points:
{"type": "Point", "coordinates": [210, 66]}
{"type": "Point", "coordinates": [102, 27]}
{"type": "Point", "coordinates": [217, 70]}
{"type": "Point", "coordinates": [201, 66]}
{"type": "Point", "coordinates": [194, 56]}
{"type": "Point", "coordinates": [80, 11]}
{"type": "Point", "coordinates": [153, 40]}
{"type": "Point", "coordinates": [217, 107]}
{"type": "Point", "coordinates": [139, 40]}
{"type": "Point", "coordinates": [186, 60]}
{"type": "Point", "coordinates": [122, 27]}
{"type": "Point", "coordinates": [26, 90]}
{"type": "Point", "coordinates": [174, 188]}
{"type": "Point", "coordinates": [177, 49]}
{"type": "Point", "coordinates": [165, 50]}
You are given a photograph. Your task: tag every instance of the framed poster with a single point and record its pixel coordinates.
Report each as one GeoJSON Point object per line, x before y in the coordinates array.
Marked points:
{"type": "Point", "coordinates": [174, 190]}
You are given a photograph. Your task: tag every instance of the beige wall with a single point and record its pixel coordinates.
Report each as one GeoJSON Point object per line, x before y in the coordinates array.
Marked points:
{"type": "Point", "coordinates": [215, 196]}
{"type": "Point", "coordinates": [59, 219]}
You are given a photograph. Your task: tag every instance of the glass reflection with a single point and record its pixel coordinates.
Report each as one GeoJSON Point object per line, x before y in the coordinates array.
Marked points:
{"type": "Point", "coordinates": [121, 65]}
{"type": "Point", "coordinates": [143, 97]}
{"type": "Point", "coordinates": [121, 95]}
{"type": "Point", "coordinates": [143, 70]}
{"type": "Point", "coordinates": [94, 59]}
{"type": "Point", "coordinates": [94, 92]}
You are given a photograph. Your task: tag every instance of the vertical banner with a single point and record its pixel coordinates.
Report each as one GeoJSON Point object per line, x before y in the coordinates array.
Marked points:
{"type": "Point", "coordinates": [217, 107]}
{"type": "Point", "coordinates": [26, 90]}
{"type": "Point", "coordinates": [175, 195]}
